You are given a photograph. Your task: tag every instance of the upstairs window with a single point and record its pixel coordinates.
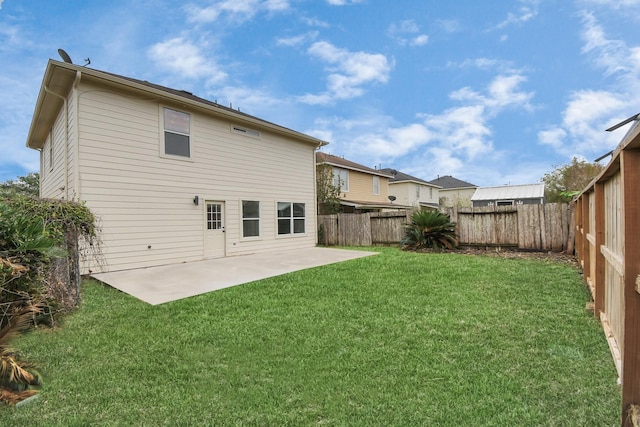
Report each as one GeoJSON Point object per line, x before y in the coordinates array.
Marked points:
{"type": "Point", "coordinates": [417, 191]}
{"type": "Point", "coordinates": [376, 185]}
{"type": "Point", "coordinates": [291, 218]}
{"type": "Point", "coordinates": [250, 218]}
{"type": "Point", "coordinates": [177, 129]}
{"type": "Point", "coordinates": [341, 179]}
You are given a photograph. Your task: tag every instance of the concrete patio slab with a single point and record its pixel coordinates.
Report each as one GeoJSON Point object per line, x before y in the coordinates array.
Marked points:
{"type": "Point", "coordinates": [158, 285]}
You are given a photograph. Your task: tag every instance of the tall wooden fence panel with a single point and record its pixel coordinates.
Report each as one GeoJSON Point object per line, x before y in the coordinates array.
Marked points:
{"type": "Point", "coordinates": [607, 230]}
{"type": "Point", "coordinates": [388, 228]}
{"type": "Point", "coordinates": [526, 227]}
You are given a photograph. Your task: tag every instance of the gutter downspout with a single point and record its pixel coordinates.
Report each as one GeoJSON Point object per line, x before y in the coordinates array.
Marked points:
{"type": "Point", "coordinates": [76, 153]}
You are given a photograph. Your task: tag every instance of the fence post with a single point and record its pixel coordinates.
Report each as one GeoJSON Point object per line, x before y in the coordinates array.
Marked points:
{"type": "Point", "coordinates": [598, 233]}
{"type": "Point", "coordinates": [630, 169]}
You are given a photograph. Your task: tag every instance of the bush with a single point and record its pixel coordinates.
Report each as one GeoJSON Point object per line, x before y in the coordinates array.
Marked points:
{"type": "Point", "coordinates": [33, 231]}
{"type": "Point", "coordinates": [430, 229]}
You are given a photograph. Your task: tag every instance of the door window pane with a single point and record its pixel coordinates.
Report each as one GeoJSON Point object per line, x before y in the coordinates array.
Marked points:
{"type": "Point", "coordinates": [214, 216]}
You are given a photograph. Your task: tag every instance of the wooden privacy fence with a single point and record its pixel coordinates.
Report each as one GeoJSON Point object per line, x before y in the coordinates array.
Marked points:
{"type": "Point", "coordinates": [525, 227]}
{"type": "Point", "coordinates": [367, 229]}
{"type": "Point", "coordinates": [608, 248]}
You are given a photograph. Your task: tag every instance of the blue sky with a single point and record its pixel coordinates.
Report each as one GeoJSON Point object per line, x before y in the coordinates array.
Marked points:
{"type": "Point", "coordinates": [492, 92]}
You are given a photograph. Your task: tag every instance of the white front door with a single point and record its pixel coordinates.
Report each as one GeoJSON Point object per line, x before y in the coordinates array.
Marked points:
{"type": "Point", "coordinates": [214, 242]}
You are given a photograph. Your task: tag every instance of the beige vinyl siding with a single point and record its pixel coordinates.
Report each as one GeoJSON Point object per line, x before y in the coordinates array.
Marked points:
{"type": "Point", "coordinates": [144, 199]}
{"type": "Point", "coordinates": [53, 183]}
{"type": "Point", "coordinates": [402, 191]}
{"type": "Point", "coordinates": [361, 188]}
{"type": "Point", "coordinates": [405, 193]}
{"type": "Point", "coordinates": [456, 196]}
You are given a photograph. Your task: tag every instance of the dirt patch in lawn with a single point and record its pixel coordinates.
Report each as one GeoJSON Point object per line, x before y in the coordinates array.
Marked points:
{"type": "Point", "coordinates": [513, 254]}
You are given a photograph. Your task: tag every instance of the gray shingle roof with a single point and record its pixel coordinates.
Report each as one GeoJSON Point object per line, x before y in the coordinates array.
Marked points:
{"type": "Point", "coordinates": [448, 182]}
{"type": "Point", "coordinates": [401, 176]}
{"type": "Point", "coordinates": [348, 164]}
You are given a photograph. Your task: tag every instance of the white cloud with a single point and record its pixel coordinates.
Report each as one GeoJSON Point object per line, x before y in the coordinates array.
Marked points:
{"type": "Point", "coordinates": [553, 137]}
{"type": "Point", "coordinates": [613, 4]}
{"type": "Point", "coordinates": [456, 136]}
{"type": "Point", "coordinates": [1, 3]}
{"type": "Point", "coordinates": [348, 72]}
{"type": "Point", "coordinates": [449, 25]}
{"type": "Point", "coordinates": [297, 40]}
{"type": "Point", "coordinates": [610, 54]}
{"type": "Point", "coordinates": [420, 40]}
{"type": "Point", "coordinates": [486, 64]}
{"type": "Point", "coordinates": [406, 33]}
{"type": "Point", "coordinates": [343, 2]}
{"type": "Point", "coordinates": [238, 10]}
{"type": "Point", "coordinates": [528, 10]}
{"type": "Point", "coordinates": [589, 112]}
{"type": "Point", "coordinates": [185, 58]}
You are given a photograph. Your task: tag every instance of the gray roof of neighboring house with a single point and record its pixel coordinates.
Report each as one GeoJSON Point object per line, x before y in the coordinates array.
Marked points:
{"type": "Point", "coordinates": [509, 192]}
{"type": "Point", "coordinates": [448, 182]}
{"type": "Point", "coordinates": [404, 177]}
{"type": "Point", "coordinates": [329, 159]}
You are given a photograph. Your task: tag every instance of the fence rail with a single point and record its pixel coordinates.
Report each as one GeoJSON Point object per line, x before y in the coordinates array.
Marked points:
{"type": "Point", "coordinates": [526, 227]}
{"type": "Point", "coordinates": [607, 231]}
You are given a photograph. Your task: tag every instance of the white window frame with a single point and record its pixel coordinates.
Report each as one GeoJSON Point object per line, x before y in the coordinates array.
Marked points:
{"type": "Point", "coordinates": [418, 191]}
{"type": "Point", "coordinates": [376, 185]}
{"type": "Point", "coordinates": [164, 130]}
{"type": "Point", "coordinates": [292, 218]}
{"type": "Point", "coordinates": [243, 219]}
{"type": "Point", "coordinates": [339, 180]}
{"type": "Point", "coordinates": [505, 203]}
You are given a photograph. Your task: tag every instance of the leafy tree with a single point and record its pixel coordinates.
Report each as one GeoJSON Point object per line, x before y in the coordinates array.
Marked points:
{"type": "Point", "coordinates": [566, 181]}
{"type": "Point", "coordinates": [28, 185]}
{"type": "Point", "coordinates": [430, 229]}
{"type": "Point", "coordinates": [327, 193]}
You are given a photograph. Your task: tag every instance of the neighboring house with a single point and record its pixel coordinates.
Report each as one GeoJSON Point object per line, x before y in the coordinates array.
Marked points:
{"type": "Point", "coordinates": [509, 195]}
{"type": "Point", "coordinates": [412, 191]}
{"type": "Point", "coordinates": [171, 177]}
{"type": "Point", "coordinates": [454, 192]}
{"type": "Point", "coordinates": [362, 189]}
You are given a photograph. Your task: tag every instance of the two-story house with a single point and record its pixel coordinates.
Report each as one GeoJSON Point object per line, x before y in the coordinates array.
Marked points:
{"type": "Point", "coordinates": [411, 191]}
{"type": "Point", "coordinates": [171, 177]}
{"type": "Point", "coordinates": [362, 189]}
{"type": "Point", "coordinates": [454, 191]}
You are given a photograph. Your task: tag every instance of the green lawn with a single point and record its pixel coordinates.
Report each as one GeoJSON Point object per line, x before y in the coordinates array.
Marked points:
{"type": "Point", "coordinates": [398, 339]}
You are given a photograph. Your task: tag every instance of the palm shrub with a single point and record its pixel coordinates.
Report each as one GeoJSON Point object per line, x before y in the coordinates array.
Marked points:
{"type": "Point", "coordinates": [17, 376]}
{"type": "Point", "coordinates": [430, 229]}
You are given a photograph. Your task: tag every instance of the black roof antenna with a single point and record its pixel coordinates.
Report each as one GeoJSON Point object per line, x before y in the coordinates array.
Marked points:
{"type": "Point", "coordinates": [65, 56]}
